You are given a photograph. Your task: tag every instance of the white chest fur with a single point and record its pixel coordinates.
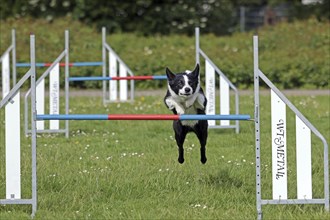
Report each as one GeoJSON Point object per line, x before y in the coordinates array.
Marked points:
{"type": "Point", "coordinates": [186, 105]}
{"type": "Point", "coordinates": [190, 111]}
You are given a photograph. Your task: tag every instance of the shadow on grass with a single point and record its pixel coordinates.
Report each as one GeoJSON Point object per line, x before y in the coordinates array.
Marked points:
{"type": "Point", "coordinates": [222, 179]}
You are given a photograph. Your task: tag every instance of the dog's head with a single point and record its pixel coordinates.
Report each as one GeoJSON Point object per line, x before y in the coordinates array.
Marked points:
{"type": "Point", "coordinates": [183, 84]}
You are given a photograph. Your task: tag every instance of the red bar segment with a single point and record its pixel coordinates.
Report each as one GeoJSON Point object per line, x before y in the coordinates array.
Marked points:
{"type": "Point", "coordinates": [63, 64]}
{"type": "Point", "coordinates": [143, 117]}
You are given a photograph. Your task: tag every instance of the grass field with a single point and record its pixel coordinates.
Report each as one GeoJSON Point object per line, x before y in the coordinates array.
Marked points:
{"type": "Point", "coordinates": [129, 169]}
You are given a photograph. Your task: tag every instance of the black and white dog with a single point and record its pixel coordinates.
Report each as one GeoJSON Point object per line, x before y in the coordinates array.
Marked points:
{"type": "Point", "coordinates": [185, 96]}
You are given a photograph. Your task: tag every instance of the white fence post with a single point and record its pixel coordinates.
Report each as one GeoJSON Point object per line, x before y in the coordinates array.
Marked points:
{"type": "Point", "coordinates": [304, 160]}
{"type": "Point", "coordinates": [112, 73]}
{"type": "Point", "coordinates": [122, 83]}
{"type": "Point", "coordinates": [13, 150]}
{"type": "Point", "coordinates": [210, 90]}
{"type": "Point", "coordinates": [5, 75]}
{"type": "Point", "coordinates": [279, 155]}
{"type": "Point", "coordinates": [41, 103]}
{"type": "Point", "coordinates": [224, 100]}
{"type": "Point", "coordinates": [54, 96]}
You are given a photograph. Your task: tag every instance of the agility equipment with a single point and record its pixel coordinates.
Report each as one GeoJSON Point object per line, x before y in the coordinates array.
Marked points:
{"type": "Point", "coordinates": [225, 85]}
{"type": "Point", "coordinates": [279, 102]}
{"type": "Point", "coordinates": [12, 139]}
{"type": "Point", "coordinates": [114, 91]}
{"type": "Point", "coordinates": [53, 72]}
{"type": "Point", "coordinates": [279, 144]}
{"type": "Point", "coordinates": [142, 117]}
{"type": "Point", "coordinates": [100, 78]}
{"type": "Point", "coordinates": [110, 91]}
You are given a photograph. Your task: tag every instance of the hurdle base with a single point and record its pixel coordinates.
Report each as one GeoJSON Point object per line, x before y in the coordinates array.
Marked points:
{"type": "Point", "coordinates": [52, 131]}
{"type": "Point", "coordinates": [293, 201]}
{"type": "Point", "coordinates": [16, 201]}
{"type": "Point", "coordinates": [32, 202]}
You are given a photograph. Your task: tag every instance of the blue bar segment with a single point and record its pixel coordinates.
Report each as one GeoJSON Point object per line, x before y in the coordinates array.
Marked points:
{"type": "Point", "coordinates": [159, 77]}
{"type": "Point", "coordinates": [87, 64]}
{"type": "Point", "coordinates": [88, 78]}
{"type": "Point", "coordinates": [215, 117]}
{"type": "Point", "coordinates": [72, 117]}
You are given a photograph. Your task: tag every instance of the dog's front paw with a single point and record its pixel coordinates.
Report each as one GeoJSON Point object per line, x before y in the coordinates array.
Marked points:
{"type": "Point", "coordinates": [180, 111]}
{"type": "Point", "coordinates": [170, 107]}
{"type": "Point", "coordinates": [169, 103]}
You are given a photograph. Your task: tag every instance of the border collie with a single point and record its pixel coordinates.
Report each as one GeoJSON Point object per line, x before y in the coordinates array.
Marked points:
{"type": "Point", "coordinates": [185, 96]}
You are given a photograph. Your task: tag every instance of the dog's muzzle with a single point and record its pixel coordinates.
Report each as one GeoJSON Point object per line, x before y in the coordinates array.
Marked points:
{"type": "Point", "coordinates": [186, 91]}
{"type": "Point", "coordinates": [185, 94]}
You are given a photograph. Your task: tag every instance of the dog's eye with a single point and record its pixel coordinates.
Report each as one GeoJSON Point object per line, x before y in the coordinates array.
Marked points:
{"type": "Point", "coordinates": [194, 83]}
{"type": "Point", "coordinates": [181, 83]}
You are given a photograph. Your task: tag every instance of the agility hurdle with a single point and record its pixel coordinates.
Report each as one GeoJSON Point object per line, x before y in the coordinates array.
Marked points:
{"type": "Point", "coordinates": [12, 139]}
{"type": "Point", "coordinates": [279, 148]}
{"type": "Point", "coordinates": [303, 131]}
{"type": "Point", "coordinates": [116, 66]}
{"type": "Point", "coordinates": [110, 91]}
{"type": "Point", "coordinates": [141, 117]}
{"type": "Point", "coordinates": [211, 71]}
{"type": "Point", "coordinates": [5, 66]}
{"type": "Point", "coordinates": [53, 72]}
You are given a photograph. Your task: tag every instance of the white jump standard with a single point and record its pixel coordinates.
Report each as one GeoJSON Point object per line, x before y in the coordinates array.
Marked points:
{"type": "Point", "coordinates": [225, 86]}
{"type": "Point", "coordinates": [13, 180]}
{"type": "Point", "coordinates": [303, 148]}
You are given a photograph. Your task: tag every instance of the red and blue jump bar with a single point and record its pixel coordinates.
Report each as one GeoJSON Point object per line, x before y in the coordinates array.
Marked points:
{"type": "Point", "coordinates": [141, 117]}
{"type": "Point", "coordinates": [61, 64]}
{"type": "Point", "coordinates": [101, 78]}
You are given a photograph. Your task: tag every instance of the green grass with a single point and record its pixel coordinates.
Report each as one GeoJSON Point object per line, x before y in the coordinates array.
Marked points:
{"type": "Point", "coordinates": [129, 169]}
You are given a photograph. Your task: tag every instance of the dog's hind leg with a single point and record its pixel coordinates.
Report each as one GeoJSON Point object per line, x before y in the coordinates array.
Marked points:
{"type": "Point", "coordinates": [201, 132]}
{"type": "Point", "coordinates": [180, 135]}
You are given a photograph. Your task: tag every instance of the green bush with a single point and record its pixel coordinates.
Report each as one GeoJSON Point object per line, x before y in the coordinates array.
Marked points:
{"type": "Point", "coordinates": [292, 55]}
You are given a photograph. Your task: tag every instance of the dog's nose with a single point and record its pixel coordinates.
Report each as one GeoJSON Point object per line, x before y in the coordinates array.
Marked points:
{"type": "Point", "coordinates": [187, 89]}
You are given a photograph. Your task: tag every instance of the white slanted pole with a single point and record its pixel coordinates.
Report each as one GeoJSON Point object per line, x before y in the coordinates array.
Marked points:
{"type": "Point", "coordinates": [304, 160]}
{"type": "Point", "coordinates": [54, 96]}
{"type": "Point", "coordinates": [224, 100]}
{"type": "Point", "coordinates": [210, 90]}
{"type": "Point", "coordinates": [122, 83]}
{"type": "Point", "coordinates": [113, 73]}
{"type": "Point", "coordinates": [13, 151]}
{"type": "Point", "coordinates": [279, 155]}
{"type": "Point", "coordinates": [41, 103]}
{"type": "Point", "coordinates": [5, 75]}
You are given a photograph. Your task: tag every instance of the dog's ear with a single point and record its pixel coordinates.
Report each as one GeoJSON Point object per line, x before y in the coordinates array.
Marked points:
{"type": "Point", "coordinates": [195, 72]}
{"type": "Point", "coordinates": [170, 75]}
